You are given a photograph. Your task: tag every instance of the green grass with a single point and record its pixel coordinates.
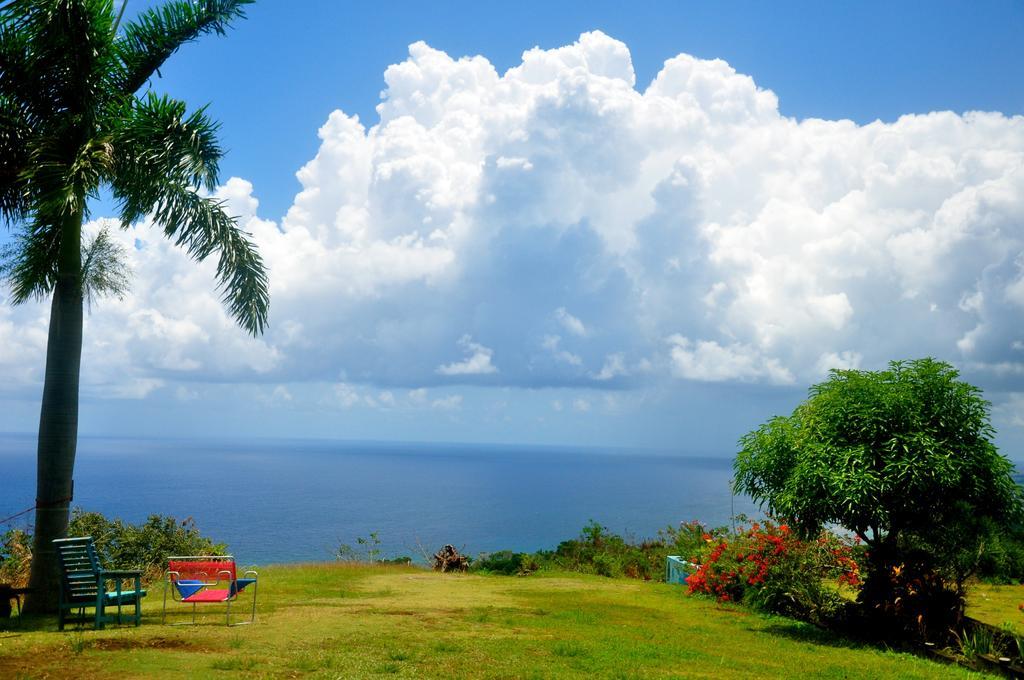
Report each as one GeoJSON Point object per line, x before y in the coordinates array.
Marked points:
{"type": "Point", "coordinates": [997, 605]}
{"type": "Point", "coordinates": [344, 621]}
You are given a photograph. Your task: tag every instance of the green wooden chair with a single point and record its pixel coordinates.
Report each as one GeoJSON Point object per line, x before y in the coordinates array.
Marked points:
{"type": "Point", "coordinates": [83, 584]}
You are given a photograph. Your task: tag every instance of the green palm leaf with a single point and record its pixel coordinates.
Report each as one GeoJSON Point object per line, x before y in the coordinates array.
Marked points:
{"type": "Point", "coordinates": [14, 136]}
{"type": "Point", "coordinates": [29, 262]}
{"type": "Point", "coordinates": [162, 155]}
{"type": "Point", "coordinates": [200, 225]}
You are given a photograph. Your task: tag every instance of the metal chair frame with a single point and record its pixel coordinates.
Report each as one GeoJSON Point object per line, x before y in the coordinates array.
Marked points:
{"type": "Point", "coordinates": [173, 576]}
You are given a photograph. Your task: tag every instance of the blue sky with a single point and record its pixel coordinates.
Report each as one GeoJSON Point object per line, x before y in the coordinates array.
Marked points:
{"type": "Point", "coordinates": [583, 245]}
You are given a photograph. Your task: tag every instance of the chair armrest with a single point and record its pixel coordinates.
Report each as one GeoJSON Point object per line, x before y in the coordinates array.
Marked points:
{"type": "Point", "coordinates": [250, 571]}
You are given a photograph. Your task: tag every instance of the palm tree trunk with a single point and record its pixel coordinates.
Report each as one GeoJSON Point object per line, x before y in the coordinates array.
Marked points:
{"type": "Point", "coordinates": [58, 421]}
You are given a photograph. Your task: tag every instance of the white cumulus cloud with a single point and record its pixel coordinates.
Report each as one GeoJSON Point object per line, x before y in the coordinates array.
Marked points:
{"type": "Point", "coordinates": [477, 361]}
{"type": "Point", "coordinates": [570, 322]}
{"type": "Point", "coordinates": [573, 219]}
{"type": "Point", "coordinates": [706, 360]}
{"type": "Point", "coordinates": [450, 403]}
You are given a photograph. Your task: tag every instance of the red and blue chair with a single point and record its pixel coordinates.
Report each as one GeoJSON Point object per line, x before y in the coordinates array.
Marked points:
{"type": "Point", "coordinates": [208, 579]}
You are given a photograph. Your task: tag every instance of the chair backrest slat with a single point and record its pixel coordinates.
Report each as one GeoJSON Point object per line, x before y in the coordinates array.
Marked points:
{"type": "Point", "coordinates": [79, 567]}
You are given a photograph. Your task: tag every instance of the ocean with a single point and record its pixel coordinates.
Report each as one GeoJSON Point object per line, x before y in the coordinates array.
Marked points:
{"type": "Point", "coordinates": [299, 500]}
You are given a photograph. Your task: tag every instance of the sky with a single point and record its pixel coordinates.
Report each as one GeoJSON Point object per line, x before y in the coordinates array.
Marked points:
{"type": "Point", "coordinates": [583, 224]}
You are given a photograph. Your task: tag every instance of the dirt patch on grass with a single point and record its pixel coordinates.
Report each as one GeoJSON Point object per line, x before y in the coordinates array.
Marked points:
{"type": "Point", "coordinates": [28, 666]}
{"type": "Point", "coordinates": [730, 611]}
{"type": "Point", "coordinates": [39, 664]}
{"type": "Point", "coordinates": [442, 612]}
{"type": "Point", "coordinates": [123, 644]}
{"type": "Point", "coordinates": [395, 612]}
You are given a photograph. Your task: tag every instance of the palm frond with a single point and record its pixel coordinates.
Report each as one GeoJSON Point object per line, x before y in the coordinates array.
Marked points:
{"type": "Point", "coordinates": [147, 42]}
{"type": "Point", "coordinates": [15, 137]}
{"type": "Point", "coordinates": [162, 156]}
{"type": "Point", "coordinates": [62, 183]}
{"type": "Point", "coordinates": [105, 269]}
{"type": "Point", "coordinates": [157, 138]}
{"type": "Point", "coordinates": [17, 81]}
{"type": "Point", "coordinates": [28, 263]}
{"type": "Point", "coordinates": [200, 226]}
{"type": "Point", "coordinates": [68, 55]}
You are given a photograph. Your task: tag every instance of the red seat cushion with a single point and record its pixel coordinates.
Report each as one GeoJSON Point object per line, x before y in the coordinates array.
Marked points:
{"type": "Point", "coordinates": [211, 595]}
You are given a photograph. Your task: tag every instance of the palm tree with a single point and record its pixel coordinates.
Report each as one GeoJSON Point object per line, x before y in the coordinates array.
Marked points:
{"type": "Point", "coordinates": [76, 115]}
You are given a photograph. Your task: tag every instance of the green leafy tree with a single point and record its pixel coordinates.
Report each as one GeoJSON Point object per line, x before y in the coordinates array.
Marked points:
{"type": "Point", "coordinates": [77, 115]}
{"type": "Point", "coordinates": [904, 459]}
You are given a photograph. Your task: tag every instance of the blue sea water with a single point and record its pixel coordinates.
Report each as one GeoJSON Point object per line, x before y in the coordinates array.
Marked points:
{"type": "Point", "coordinates": [298, 500]}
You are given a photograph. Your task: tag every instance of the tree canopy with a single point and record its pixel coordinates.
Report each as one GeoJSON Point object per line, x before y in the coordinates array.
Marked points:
{"type": "Point", "coordinates": [900, 454]}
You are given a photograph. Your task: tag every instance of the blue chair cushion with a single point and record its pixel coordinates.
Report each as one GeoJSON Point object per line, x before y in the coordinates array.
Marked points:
{"type": "Point", "coordinates": [188, 587]}
{"type": "Point", "coordinates": [240, 585]}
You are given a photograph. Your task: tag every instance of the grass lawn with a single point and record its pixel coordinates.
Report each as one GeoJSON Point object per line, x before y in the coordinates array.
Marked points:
{"type": "Point", "coordinates": [997, 605]}
{"type": "Point", "coordinates": [344, 621]}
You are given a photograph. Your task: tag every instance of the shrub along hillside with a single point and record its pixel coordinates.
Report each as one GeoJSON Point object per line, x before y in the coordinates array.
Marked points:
{"type": "Point", "coordinates": [120, 545]}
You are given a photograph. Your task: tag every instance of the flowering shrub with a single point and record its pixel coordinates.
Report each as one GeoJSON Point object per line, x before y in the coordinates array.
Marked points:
{"type": "Point", "coordinates": [768, 566]}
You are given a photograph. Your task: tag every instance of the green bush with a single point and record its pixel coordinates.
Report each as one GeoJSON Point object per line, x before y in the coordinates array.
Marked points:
{"type": "Point", "coordinates": [119, 545]}
{"type": "Point", "coordinates": [367, 549]}
{"type": "Point", "coordinates": [144, 546]}
{"type": "Point", "coordinates": [506, 562]}
{"type": "Point", "coordinates": [15, 557]}
{"type": "Point", "coordinates": [599, 551]}
{"type": "Point", "coordinates": [691, 537]}
{"type": "Point", "coordinates": [1002, 560]}
{"type": "Point", "coordinates": [613, 555]}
